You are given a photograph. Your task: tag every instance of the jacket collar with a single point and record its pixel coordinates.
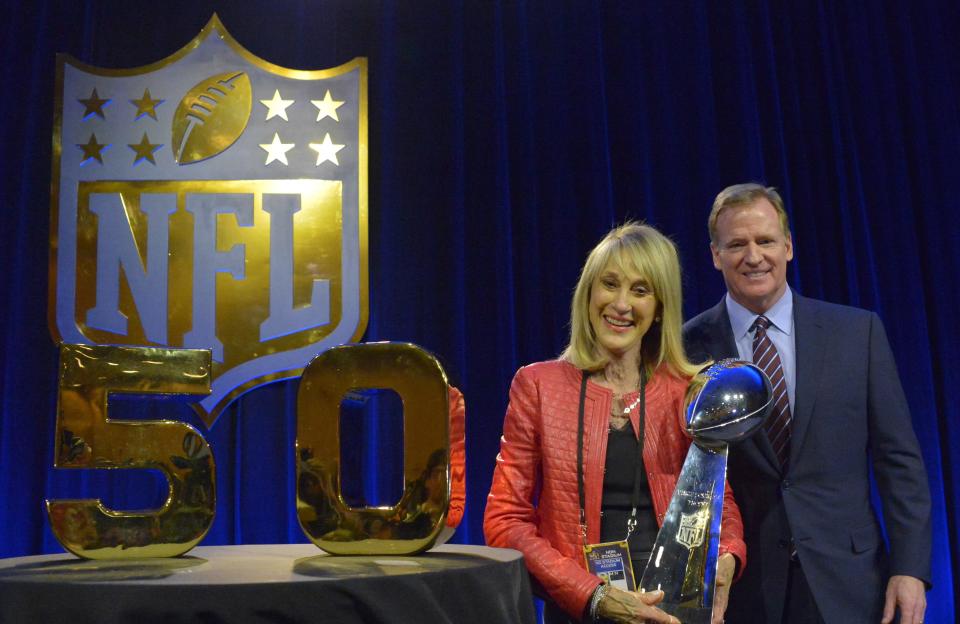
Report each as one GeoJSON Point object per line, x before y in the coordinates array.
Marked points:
{"type": "Point", "coordinates": [811, 346]}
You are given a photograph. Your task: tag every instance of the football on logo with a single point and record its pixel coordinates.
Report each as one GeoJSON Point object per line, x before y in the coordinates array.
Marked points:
{"type": "Point", "coordinates": [211, 116]}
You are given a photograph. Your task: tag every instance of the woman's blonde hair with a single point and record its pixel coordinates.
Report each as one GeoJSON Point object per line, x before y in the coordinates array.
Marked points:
{"type": "Point", "coordinates": [638, 248]}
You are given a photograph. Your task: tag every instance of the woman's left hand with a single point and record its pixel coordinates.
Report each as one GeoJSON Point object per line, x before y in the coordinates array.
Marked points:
{"type": "Point", "coordinates": [725, 569]}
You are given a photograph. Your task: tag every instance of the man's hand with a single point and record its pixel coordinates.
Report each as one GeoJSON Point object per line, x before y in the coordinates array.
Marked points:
{"type": "Point", "coordinates": [725, 569]}
{"type": "Point", "coordinates": [907, 594]}
{"type": "Point", "coordinates": [634, 607]}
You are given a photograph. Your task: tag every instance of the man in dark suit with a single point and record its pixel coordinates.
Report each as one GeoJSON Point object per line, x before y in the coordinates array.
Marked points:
{"type": "Point", "coordinates": [815, 550]}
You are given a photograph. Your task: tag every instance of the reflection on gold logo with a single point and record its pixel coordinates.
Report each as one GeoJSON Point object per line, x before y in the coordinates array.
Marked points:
{"type": "Point", "coordinates": [693, 528]}
{"type": "Point", "coordinates": [245, 235]}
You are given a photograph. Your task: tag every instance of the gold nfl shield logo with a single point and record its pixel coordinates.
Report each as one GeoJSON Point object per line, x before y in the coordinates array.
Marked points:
{"type": "Point", "coordinates": [693, 529]}
{"type": "Point", "coordinates": [211, 200]}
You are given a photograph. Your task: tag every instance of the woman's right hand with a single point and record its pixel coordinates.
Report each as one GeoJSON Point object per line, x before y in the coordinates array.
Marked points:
{"type": "Point", "coordinates": [634, 607]}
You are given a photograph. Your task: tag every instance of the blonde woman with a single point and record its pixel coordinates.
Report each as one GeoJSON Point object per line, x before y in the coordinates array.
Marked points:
{"type": "Point", "coordinates": [594, 439]}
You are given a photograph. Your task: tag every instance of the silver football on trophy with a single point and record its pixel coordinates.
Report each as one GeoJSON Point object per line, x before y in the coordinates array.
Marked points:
{"type": "Point", "coordinates": [734, 400]}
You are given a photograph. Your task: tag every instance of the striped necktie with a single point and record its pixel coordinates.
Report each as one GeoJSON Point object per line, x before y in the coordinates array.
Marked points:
{"type": "Point", "coordinates": [765, 356]}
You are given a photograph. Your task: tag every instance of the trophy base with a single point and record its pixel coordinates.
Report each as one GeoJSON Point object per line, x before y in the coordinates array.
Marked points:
{"type": "Point", "coordinates": [688, 614]}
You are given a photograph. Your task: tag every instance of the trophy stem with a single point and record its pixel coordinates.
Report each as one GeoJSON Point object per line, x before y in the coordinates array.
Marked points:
{"type": "Point", "coordinates": [684, 560]}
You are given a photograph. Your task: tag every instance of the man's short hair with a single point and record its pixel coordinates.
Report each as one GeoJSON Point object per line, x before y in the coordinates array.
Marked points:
{"type": "Point", "coordinates": [744, 195]}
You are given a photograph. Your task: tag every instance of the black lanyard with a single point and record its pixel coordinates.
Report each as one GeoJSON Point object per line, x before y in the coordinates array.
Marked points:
{"type": "Point", "coordinates": [638, 462]}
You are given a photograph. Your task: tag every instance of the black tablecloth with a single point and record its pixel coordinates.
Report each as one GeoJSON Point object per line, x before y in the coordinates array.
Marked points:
{"type": "Point", "coordinates": [275, 584]}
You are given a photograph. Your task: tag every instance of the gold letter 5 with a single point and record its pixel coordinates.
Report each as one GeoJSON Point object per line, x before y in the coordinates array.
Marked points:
{"type": "Point", "coordinates": [87, 438]}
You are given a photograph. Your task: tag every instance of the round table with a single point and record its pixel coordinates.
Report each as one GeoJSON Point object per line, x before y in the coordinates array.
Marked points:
{"type": "Point", "coordinates": [275, 584]}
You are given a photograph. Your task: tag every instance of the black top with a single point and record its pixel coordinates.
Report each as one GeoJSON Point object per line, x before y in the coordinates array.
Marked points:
{"type": "Point", "coordinates": [615, 505]}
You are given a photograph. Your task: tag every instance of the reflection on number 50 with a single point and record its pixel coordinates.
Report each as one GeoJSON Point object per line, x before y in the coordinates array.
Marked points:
{"type": "Point", "coordinates": [434, 464]}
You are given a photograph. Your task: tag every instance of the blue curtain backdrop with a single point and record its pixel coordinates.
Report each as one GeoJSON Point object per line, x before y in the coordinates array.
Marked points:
{"type": "Point", "coordinates": [505, 139]}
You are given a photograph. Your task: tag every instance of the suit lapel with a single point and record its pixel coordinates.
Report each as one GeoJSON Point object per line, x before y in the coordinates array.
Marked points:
{"type": "Point", "coordinates": [810, 343]}
{"type": "Point", "coordinates": [722, 345]}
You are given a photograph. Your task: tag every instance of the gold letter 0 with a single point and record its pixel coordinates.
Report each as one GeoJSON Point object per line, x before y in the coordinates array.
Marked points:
{"type": "Point", "coordinates": [415, 522]}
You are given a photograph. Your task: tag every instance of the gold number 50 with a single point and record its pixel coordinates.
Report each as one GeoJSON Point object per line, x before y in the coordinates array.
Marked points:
{"type": "Point", "coordinates": [434, 473]}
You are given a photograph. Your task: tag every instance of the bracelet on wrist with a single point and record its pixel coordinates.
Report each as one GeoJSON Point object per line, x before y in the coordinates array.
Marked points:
{"type": "Point", "coordinates": [598, 595]}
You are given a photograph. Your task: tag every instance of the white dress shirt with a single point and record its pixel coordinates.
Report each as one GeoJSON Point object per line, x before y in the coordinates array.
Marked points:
{"type": "Point", "coordinates": [780, 332]}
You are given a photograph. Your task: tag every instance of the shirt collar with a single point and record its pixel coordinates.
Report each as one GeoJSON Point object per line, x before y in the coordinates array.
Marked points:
{"type": "Point", "coordinates": [780, 315]}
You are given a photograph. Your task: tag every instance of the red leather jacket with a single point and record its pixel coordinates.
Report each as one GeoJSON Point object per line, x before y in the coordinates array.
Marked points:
{"type": "Point", "coordinates": [538, 462]}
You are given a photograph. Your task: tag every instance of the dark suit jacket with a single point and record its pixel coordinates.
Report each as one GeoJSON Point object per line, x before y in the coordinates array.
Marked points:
{"type": "Point", "coordinates": [850, 415]}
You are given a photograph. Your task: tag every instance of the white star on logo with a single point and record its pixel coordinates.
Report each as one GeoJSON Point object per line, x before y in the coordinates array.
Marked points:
{"type": "Point", "coordinates": [277, 107]}
{"type": "Point", "coordinates": [327, 107]}
{"type": "Point", "coordinates": [326, 150]}
{"type": "Point", "coordinates": [277, 150]}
